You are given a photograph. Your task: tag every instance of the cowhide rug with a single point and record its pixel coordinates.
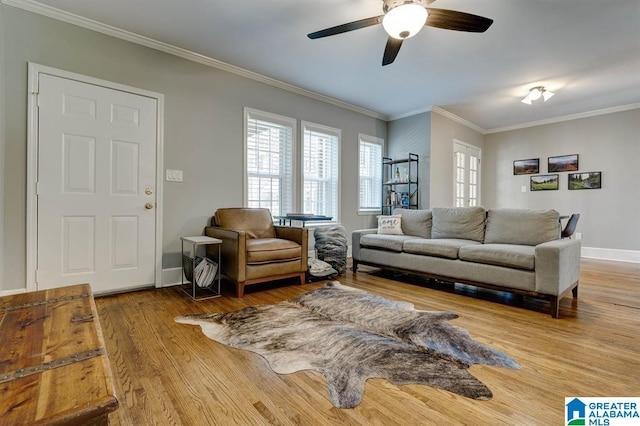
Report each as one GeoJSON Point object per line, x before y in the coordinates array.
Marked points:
{"type": "Point", "coordinates": [350, 335]}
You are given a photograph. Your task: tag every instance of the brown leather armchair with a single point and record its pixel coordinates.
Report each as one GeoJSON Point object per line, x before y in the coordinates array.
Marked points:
{"type": "Point", "coordinates": [254, 250]}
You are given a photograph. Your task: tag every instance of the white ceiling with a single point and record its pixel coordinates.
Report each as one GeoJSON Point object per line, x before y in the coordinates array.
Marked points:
{"type": "Point", "coordinates": [587, 51]}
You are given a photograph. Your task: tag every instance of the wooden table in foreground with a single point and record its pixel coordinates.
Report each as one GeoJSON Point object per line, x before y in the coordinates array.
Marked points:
{"type": "Point", "coordinates": [53, 362]}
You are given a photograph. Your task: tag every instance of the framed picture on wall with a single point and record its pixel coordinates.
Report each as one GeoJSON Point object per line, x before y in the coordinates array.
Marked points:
{"type": "Point", "coordinates": [526, 167]}
{"type": "Point", "coordinates": [544, 182]}
{"type": "Point", "coordinates": [586, 180]}
{"type": "Point", "coordinates": [562, 163]}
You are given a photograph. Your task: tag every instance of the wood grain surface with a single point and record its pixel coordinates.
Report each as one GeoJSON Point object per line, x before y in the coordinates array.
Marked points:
{"type": "Point", "coordinates": [171, 374]}
{"type": "Point", "coordinates": [35, 339]}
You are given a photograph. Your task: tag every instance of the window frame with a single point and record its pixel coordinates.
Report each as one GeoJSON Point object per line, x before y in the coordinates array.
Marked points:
{"type": "Point", "coordinates": [330, 131]}
{"type": "Point", "coordinates": [250, 113]}
{"type": "Point", "coordinates": [373, 140]}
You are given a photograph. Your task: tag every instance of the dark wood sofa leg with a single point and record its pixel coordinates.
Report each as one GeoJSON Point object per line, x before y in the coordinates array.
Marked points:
{"type": "Point", "coordinates": [554, 303]}
{"type": "Point", "coordinates": [354, 267]}
{"type": "Point", "coordinates": [575, 291]}
{"type": "Point", "coordinates": [303, 277]}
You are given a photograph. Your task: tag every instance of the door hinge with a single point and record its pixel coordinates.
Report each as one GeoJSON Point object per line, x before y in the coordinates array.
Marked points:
{"type": "Point", "coordinates": [36, 277]}
{"type": "Point", "coordinates": [37, 188]}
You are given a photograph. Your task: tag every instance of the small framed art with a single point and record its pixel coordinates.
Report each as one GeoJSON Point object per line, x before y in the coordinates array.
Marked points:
{"type": "Point", "coordinates": [562, 163]}
{"type": "Point", "coordinates": [544, 182]}
{"type": "Point", "coordinates": [526, 167]}
{"type": "Point", "coordinates": [586, 180]}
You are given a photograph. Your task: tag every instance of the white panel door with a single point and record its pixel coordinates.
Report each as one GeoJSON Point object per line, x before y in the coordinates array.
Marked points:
{"type": "Point", "coordinates": [96, 186]}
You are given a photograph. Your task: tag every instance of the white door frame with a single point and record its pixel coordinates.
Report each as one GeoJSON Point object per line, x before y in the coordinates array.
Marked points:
{"type": "Point", "coordinates": [32, 162]}
{"type": "Point", "coordinates": [467, 146]}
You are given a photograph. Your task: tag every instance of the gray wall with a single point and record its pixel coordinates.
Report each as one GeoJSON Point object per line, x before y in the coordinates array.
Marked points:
{"type": "Point", "coordinates": [412, 135]}
{"type": "Point", "coordinates": [608, 143]}
{"type": "Point", "coordinates": [443, 133]}
{"type": "Point", "coordinates": [203, 126]}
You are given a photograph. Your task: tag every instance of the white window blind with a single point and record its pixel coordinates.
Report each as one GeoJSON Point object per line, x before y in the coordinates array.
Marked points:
{"type": "Point", "coordinates": [370, 173]}
{"type": "Point", "coordinates": [269, 151]}
{"type": "Point", "coordinates": [320, 171]}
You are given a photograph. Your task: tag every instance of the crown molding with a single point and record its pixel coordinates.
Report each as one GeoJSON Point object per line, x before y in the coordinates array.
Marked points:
{"type": "Point", "coordinates": [70, 18]}
{"type": "Point", "coordinates": [565, 118]}
{"type": "Point", "coordinates": [451, 116]}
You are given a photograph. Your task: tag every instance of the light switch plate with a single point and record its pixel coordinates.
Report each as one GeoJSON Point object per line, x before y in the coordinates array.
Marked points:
{"type": "Point", "coordinates": [523, 188]}
{"type": "Point", "coordinates": [174, 175]}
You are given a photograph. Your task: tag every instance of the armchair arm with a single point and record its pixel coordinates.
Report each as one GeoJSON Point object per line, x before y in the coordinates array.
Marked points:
{"type": "Point", "coordinates": [298, 235]}
{"type": "Point", "coordinates": [355, 240]}
{"type": "Point", "coordinates": [557, 266]}
{"type": "Point", "coordinates": [234, 251]}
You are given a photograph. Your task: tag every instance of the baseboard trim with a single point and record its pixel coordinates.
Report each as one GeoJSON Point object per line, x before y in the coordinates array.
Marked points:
{"type": "Point", "coordinates": [611, 254]}
{"type": "Point", "coordinates": [171, 277]}
{"type": "Point", "coordinates": [12, 292]}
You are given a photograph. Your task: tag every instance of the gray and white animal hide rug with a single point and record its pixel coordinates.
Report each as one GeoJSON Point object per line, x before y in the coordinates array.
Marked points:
{"type": "Point", "coordinates": [350, 335]}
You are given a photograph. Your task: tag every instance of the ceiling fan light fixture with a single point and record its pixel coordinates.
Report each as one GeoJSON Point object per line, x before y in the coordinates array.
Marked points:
{"type": "Point", "coordinates": [404, 21]}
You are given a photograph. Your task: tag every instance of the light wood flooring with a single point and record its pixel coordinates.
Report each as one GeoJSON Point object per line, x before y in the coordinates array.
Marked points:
{"type": "Point", "coordinates": [169, 373]}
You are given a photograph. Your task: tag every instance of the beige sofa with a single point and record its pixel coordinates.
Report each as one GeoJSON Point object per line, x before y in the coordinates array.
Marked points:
{"type": "Point", "coordinates": [514, 250]}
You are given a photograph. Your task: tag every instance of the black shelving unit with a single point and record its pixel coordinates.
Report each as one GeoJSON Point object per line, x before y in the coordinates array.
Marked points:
{"type": "Point", "coordinates": [400, 183]}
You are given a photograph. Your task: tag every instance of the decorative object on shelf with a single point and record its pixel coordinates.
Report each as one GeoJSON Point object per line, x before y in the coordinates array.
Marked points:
{"type": "Point", "coordinates": [400, 187]}
{"type": "Point", "coordinates": [585, 180]}
{"type": "Point", "coordinates": [526, 167]}
{"type": "Point", "coordinates": [536, 93]}
{"type": "Point", "coordinates": [563, 163]}
{"type": "Point", "coordinates": [544, 182]}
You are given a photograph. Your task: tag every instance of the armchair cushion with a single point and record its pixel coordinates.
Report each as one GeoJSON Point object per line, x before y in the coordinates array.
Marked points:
{"type": "Point", "coordinates": [257, 223]}
{"type": "Point", "coordinates": [268, 250]}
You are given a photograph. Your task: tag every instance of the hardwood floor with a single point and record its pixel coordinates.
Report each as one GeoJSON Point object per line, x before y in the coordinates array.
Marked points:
{"type": "Point", "coordinates": [169, 373]}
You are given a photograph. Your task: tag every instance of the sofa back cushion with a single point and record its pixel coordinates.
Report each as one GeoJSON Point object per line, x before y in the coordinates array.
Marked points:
{"type": "Point", "coordinates": [257, 223]}
{"type": "Point", "coordinates": [465, 223]}
{"type": "Point", "coordinates": [415, 222]}
{"type": "Point", "coordinates": [522, 226]}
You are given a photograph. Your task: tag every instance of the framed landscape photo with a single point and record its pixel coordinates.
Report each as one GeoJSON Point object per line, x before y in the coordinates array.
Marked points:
{"type": "Point", "coordinates": [526, 167]}
{"type": "Point", "coordinates": [563, 163]}
{"type": "Point", "coordinates": [586, 180]}
{"type": "Point", "coordinates": [544, 182]}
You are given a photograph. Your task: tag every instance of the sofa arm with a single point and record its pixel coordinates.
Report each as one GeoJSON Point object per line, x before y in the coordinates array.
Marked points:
{"type": "Point", "coordinates": [557, 266]}
{"type": "Point", "coordinates": [234, 251]}
{"type": "Point", "coordinates": [298, 235]}
{"type": "Point", "coordinates": [355, 240]}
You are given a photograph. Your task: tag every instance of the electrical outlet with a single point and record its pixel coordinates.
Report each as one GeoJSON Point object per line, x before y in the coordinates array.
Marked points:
{"type": "Point", "coordinates": [523, 188]}
{"type": "Point", "coordinates": [578, 235]}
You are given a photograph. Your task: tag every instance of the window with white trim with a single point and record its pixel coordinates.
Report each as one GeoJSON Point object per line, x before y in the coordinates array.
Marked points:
{"type": "Point", "coordinates": [370, 174]}
{"type": "Point", "coordinates": [269, 153]}
{"type": "Point", "coordinates": [320, 170]}
{"type": "Point", "coordinates": [466, 165]}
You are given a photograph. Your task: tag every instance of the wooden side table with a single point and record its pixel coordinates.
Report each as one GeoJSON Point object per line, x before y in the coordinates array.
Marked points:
{"type": "Point", "coordinates": [54, 367]}
{"type": "Point", "coordinates": [192, 289]}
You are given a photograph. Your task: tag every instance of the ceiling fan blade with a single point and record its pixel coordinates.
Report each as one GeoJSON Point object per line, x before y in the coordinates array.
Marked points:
{"type": "Point", "coordinates": [339, 29]}
{"type": "Point", "coordinates": [391, 50]}
{"type": "Point", "coordinates": [458, 21]}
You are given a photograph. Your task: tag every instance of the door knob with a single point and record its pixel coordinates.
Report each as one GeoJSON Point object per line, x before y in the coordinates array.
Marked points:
{"type": "Point", "coordinates": [148, 206]}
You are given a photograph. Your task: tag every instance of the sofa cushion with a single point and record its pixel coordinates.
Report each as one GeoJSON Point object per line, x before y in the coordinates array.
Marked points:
{"type": "Point", "coordinates": [415, 222]}
{"type": "Point", "coordinates": [441, 247]}
{"type": "Point", "coordinates": [465, 223]}
{"type": "Point", "coordinates": [522, 226]}
{"type": "Point", "coordinates": [384, 242]}
{"type": "Point", "coordinates": [390, 225]}
{"type": "Point", "coordinates": [267, 250]}
{"type": "Point", "coordinates": [509, 255]}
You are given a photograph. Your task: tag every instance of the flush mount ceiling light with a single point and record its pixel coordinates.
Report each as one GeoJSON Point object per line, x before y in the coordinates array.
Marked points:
{"type": "Point", "coordinates": [536, 93]}
{"type": "Point", "coordinates": [405, 21]}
